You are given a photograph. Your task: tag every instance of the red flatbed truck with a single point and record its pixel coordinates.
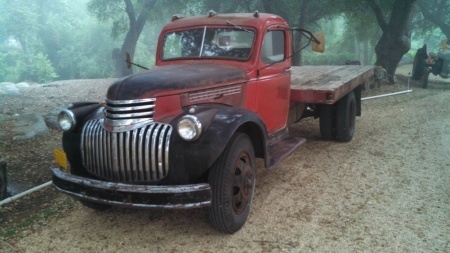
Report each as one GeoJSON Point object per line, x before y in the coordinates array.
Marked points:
{"type": "Point", "coordinates": [186, 133]}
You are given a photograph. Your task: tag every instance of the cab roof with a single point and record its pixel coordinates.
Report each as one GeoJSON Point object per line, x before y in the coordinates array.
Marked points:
{"type": "Point", "coordinates": [257, 20]}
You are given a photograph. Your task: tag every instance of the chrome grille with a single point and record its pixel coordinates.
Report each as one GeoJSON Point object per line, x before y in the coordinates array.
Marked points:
{"type": "Point", "coordinates": [138, 155]}
{"type": "Point", "coordinates": [126, 112]}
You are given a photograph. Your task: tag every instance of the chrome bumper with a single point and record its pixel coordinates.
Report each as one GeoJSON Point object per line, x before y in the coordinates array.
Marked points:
{"type": "Point", "coordinates": [131, 195]}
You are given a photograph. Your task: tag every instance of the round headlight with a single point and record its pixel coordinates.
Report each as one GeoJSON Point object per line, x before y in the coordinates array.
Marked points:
{"type": "Point", "coordinates": [189, 128]}
{"type": "Point", "coordinates": [66, 120]}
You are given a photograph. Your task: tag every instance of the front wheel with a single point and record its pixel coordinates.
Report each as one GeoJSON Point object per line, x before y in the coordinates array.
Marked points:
{"type": "Point", "coordinates": [232, 179]}
{"type": "Point", "coordinates": [346, 117]}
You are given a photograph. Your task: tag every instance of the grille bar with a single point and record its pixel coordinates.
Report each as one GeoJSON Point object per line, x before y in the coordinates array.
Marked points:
{"type": "Point", "coordinates": [138, 155]}
{"type": "Point", "coordinates": [123, 113]}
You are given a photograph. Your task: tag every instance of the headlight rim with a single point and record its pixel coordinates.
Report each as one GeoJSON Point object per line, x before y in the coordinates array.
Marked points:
{"type": "Point", "coordinates": [71, 116]}
{"type": "Point", "coordinates": [196, 122]}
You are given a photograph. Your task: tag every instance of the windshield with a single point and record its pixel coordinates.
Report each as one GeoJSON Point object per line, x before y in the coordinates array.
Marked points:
{"type": "Point", "coordinates": [229, 43]}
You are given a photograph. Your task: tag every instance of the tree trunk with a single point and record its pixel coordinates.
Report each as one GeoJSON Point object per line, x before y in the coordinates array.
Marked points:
{"type": "Point", "coordinates": [3, 181]}
{"type": "Point", "coordinates": [396, 38]}
{"type": "Point", "coordinates": [365, 58]}
{"type": "Point", "coordinates": [436, 12]}
{"type": "Point", "coordinates": [302, 19]}
{"type": "Point", "coordinates": [129, 44]}
{"type": "Point", "coordinates": [119, 55]}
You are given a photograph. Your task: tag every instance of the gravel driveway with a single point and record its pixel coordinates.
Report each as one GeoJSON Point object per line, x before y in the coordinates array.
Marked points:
{"type": "Point", "coordinates": [388, 190]}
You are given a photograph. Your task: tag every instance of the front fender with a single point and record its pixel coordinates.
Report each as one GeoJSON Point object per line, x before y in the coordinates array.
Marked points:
{"type": "Point", "coordinates": [220, 124]}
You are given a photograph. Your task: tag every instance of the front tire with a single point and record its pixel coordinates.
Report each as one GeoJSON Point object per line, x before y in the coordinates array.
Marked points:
{"type": "Point", "coordinates": [232, 178]}
{"type": "Point", "coordinates": [346, 117]}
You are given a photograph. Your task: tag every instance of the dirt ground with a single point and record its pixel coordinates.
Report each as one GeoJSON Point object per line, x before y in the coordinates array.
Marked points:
{"type": "Point", "coordinates": [388, 190]}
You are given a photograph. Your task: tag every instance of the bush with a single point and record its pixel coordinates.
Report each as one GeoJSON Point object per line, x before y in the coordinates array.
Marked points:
{"type": "Point", "coordinates": [16, 66]}
{"type": "Point", "coordinates": [39, 69]}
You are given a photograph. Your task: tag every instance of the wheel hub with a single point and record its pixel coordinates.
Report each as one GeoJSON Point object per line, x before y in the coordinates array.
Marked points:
{"type": "Point", "coordinates": [243, 184]}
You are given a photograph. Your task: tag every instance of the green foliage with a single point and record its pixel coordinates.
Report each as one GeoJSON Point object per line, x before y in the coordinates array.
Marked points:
{"type": "Point", "coordinates": [432, 14]}
{"type": "Point", "coordinates": [39, 69]}
{"type": "Point", "coordinates": [15, 66]}
{"type": "Point", "coordinates": [52, 39]}
{"type": "Point", "coordinates": [62, 39]}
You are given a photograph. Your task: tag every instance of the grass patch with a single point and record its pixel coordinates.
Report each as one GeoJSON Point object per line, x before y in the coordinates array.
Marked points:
{"type": "Point", "coordinates": [35, 220]}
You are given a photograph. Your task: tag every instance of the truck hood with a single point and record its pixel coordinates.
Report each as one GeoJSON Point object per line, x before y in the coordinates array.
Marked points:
{"type": "Point", "coordinates": [177, 77]}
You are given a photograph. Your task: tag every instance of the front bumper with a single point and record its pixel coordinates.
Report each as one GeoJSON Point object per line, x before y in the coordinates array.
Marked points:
{"type": "Point", "coordinates": [131, 195]}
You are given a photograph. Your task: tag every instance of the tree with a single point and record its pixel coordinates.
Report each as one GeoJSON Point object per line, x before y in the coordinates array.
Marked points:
{"type": "Point", "coordinates": [105, 9]}
{"type": "Point", "coordinates": [20, 55]}
{"type": "Point", "coordinates": [438, 13]}
{"type": "Point", "coordinates": [301, 14]}
{"type": "Point", "coordinates": [395, 40]}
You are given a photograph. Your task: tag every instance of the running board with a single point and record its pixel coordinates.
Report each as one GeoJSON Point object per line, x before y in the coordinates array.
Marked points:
{"type": "Point", "coordinates": [280, 150]}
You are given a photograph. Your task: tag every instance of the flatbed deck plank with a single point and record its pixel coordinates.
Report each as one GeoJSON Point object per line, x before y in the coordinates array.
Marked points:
{"type": "Point", "coordinates": [326, 84]}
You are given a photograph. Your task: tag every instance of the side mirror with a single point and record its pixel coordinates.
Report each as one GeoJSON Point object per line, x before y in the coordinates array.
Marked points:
{"type": "Point", "coordinates": [320, 36]}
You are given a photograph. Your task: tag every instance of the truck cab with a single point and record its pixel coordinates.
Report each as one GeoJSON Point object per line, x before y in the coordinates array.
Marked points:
{"type": "Point", "coordinates": [186, 133]}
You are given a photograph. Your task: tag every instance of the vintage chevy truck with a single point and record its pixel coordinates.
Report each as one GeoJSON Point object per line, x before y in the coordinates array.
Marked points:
{"type": "Point", "coordinates": [186, 133]}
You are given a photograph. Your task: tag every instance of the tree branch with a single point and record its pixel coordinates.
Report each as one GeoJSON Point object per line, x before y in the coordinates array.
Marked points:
{"type": "Point", "coordinates": [129, 9]}
{"type": "Point", "coordinates": [378, 14]}
{"type": "Point", "coordinates": [147, 6]}
{"type": "Point", "coordinates": [435, 19]}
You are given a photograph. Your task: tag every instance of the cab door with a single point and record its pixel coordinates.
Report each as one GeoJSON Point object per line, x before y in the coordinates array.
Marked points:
{"type": "Point", "coordinates": [273, 81]}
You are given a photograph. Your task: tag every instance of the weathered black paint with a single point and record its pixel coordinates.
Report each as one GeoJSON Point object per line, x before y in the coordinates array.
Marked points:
{"type": "Point", "coordinates": [199, 155]}
{"type": "Point", "coordinates": [173, 77]}
{"type": "Point", "coordinates": [144, 196]}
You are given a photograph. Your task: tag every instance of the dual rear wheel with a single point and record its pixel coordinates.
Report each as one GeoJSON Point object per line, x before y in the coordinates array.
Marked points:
{"type": "Point", "coordinates": [337, 121]}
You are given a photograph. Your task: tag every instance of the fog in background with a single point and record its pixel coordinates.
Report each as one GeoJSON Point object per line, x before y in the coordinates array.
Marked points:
{"type": "Point", "coordinates": [47, 40]}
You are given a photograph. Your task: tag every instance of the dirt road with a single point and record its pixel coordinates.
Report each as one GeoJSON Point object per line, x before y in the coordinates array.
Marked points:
{"type": "Point", "coordinates": [388, 190]}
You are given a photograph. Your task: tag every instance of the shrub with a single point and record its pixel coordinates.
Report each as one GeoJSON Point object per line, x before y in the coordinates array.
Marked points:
{"type": "Point", "coordinates": [16, 66]}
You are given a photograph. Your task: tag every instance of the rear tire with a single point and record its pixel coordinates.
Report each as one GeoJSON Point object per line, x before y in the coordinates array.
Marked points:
{"type": "Point", "coordinates": [419, 63]}
{"type": "Point", "coordinates": [327, 122]}
{"type": "Point", "coordinates": [232, 179]}
{"type": "Point", "coordinates": [346, 117]}
{"type": "Point", "coordinates": [426, 75]}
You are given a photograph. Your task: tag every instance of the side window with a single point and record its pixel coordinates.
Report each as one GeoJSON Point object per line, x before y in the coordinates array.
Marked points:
{"type": "Point", "coordinates": [273, 47]}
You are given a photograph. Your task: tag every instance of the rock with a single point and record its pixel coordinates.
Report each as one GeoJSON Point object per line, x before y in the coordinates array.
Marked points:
{"type": "Point", "coordinates": [51, 119]}
{"type": "Point", "coordinates": [28, 126]}
{"type": "Point", "coordinates": [3, 181]}
{"type": "Point", "coordinates": [9, 89]}
{"type": "Point", "coordinates": [5, 83]}
{"type": "Point", "coordinates": [22, 85]}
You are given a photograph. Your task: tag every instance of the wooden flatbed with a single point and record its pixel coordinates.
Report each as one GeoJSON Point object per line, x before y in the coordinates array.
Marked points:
{"type": "Point", "coordinates": [326, 84]}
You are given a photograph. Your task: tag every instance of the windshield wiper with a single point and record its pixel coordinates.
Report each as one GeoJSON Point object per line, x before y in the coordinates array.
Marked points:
{"type": "Point", "coordinates": [238, 27]}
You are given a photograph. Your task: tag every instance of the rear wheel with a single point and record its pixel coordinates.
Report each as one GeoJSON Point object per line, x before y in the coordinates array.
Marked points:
{"type": "Point", "coordinates": [419, 63]}
{"type": "Point", "coordinates": [346, 117]}
{"type": "Point", "coordinates": [426, 74]}
{"type": "Point", "coordinates": [232, 179]}
{"type": "Point", "coordinates": [327, 122]}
